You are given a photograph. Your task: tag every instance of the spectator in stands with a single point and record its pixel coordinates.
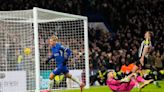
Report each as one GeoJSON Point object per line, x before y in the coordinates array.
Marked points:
{"type": "Point", "coordinates": [158, 61]}
{"type": "Point", "coordinates": [129, 19]}
{"type": "Point", "coordinates": [100, 76]}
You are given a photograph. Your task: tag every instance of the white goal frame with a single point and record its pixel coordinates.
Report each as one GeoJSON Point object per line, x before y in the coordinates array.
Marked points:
{"type": "Point", "coordinates": [25, 29]}
{"type": "Point", "coordinates": [72, 17]}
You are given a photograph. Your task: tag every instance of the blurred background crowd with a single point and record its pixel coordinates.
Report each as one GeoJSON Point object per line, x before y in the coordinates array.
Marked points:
{"type": "Point", "coordinates": [128, 19]}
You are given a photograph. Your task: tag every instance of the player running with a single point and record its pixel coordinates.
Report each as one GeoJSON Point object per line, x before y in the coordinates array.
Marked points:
{"type": "Point", "coordinates": [126, 84]}
{"type": "Point", "coordinates": [58, 55]}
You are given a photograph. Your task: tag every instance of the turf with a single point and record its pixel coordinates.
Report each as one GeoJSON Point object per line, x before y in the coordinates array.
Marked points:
{"type": "Point", "coordinates": [148, 88]}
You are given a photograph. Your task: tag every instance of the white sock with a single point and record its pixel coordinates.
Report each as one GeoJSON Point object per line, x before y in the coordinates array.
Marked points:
{"type": "Point", "coordinates": [50, 84]}
{"type": "Point", "coordinates": [75, 80]}
{"type": "Point", "coordinates": [155, 82]}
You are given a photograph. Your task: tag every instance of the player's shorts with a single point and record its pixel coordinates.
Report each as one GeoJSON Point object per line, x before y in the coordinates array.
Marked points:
{"type": "Point", "coordinates": [139, 64]}
{"type": "Point", "coordinates": [137, 61]}
{"type": "Point", "coordinates": [59, 70]}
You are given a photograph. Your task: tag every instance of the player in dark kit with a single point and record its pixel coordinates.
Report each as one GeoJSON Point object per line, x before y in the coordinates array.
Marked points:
{"type": "Point", "coordinates": [143, 53]}
{"type": "Point", "coordinates": [144, 50]}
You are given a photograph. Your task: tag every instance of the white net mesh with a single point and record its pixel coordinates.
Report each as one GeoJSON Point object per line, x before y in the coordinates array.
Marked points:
{"type": "Point", "coordinates": [15, 36]}
{"type": "Point", "coordinates": [70, 32]}
{"type": "Point", "coordinates": [17, 33]}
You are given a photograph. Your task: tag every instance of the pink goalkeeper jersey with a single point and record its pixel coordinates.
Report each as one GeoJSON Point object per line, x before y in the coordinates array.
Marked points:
{"type": "Point", "coordinates": [113, 84]}
{"type": "Point", "coordinates": [116, 85]}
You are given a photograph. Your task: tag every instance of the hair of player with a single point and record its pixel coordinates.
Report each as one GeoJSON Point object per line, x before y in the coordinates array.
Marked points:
{"type": "Point", "coordinates": [109, 73]}
{"type": "Point", "coordinates": [54, 38]}
{"type": "Point", "coordinates": [150, 33]}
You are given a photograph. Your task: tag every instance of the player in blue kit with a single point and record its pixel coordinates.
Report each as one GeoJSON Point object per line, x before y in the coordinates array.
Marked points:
{"type": "Point", "coordinates": [58, 54]}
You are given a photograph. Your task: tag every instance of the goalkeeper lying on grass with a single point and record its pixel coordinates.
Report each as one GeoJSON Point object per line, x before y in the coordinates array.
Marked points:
{"type": "Point", "coordinates": [126, 84]}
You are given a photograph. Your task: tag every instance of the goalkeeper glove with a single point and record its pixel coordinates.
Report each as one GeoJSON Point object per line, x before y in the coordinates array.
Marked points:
{"type": "Point", "coordinates": [126, 79]}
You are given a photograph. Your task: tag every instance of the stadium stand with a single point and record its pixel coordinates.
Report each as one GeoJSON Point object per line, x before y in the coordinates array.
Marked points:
{"type": "Point", "coordinates": [129, 19]}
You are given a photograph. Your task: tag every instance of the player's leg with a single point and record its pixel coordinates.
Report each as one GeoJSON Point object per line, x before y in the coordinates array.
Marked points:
{"type": "Point", "coordinates": [153, 74]}
{"type": "Point", "coordinates": [137, 66]}
{"type": "Point", "coordinates": [140, 79]}
{"type": "Point", "coordinates": [145, 83]}
{"type": "Point", "coordinates": [51, 81]}
{"type": "Point", "coordinates": [56, 71]}
{"type": "Point", "coordinates": [68, 75]}
{"type": "Point", "coordinates": [128, 83]}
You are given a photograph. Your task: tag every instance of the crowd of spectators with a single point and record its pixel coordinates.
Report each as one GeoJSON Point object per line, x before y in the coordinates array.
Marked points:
{"type": "Point", "coordinates": [129, 19]}
{"type": "Point", "coordinates": [69, 6]}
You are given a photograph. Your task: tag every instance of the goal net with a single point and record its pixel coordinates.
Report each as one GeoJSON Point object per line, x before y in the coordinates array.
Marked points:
{"type": "Point", "coordinates": [31, 29]}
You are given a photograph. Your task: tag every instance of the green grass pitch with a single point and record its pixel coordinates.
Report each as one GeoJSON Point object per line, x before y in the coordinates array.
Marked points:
{"type": "Point", "coordinates": [148, 88]}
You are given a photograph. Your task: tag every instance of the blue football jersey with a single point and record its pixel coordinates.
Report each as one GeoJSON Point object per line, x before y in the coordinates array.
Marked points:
{"type": "Point", "coordinates": [58, 54]}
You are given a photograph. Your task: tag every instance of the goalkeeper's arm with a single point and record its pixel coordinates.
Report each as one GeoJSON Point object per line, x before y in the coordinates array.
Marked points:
{"type": "Point", "coordinates": [128, 78]}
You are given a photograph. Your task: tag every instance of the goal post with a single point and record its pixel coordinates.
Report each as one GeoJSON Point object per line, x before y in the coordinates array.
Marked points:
{"type": "Point", "coordinates": [32, 29]}
{"type": "Point", "coordinates": [36, 45]}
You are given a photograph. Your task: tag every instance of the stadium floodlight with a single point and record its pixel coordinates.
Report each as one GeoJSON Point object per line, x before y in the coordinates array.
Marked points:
{"type": "Point", "coordinates": [31, 29]}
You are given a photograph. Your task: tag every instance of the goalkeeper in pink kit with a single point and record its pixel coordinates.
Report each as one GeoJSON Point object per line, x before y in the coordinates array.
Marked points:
{"type": "Point", "coordinates": [126, 84]}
